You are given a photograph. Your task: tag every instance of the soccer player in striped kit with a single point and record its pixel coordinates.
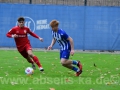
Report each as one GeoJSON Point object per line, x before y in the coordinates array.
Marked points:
{"type": "Point", "coordinates": [67, 47]}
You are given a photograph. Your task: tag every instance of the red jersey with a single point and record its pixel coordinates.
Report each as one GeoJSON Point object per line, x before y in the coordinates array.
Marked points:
{"type": "Point", "coordinates": [22, 39]}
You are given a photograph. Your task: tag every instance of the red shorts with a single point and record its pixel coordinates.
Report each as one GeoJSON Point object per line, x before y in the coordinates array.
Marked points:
{"type": "Point", "coordinates": [24, 51]}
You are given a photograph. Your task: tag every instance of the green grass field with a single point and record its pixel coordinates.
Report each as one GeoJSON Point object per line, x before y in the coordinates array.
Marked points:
{"type": "Point", "coordinates": [104, 75]}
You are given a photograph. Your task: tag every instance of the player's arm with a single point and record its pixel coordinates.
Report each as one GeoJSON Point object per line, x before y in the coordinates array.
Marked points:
{"type": "Point", "coordinates": [34, 35]}
{"type": "Point", "coordinates": [11, 34]}
{"type": "Point", "coordinates": [72, 45]}
{"type": "Point", "coordinates": [71, 42]}
{"type": "Point", "coordinates": [52, 44]}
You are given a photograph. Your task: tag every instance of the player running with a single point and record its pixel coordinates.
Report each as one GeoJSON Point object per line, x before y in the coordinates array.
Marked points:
{"type": "Point", "coordinates": [19, 33]}
{"type": "Point", "coordinates": [67, 47]}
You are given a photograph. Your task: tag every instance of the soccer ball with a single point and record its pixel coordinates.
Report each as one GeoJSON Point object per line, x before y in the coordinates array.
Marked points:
{"type": "Point", "coordinates": [29, 71]}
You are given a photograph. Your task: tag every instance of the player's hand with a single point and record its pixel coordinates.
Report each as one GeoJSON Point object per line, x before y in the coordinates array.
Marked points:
{"type": "Point", "coordinates": [14, 36]}
{"type": "Point", "coordinates": [49, 47]}
{"type": "Point", "coordinates": [72, 52]}
{"type": "Point", "coordinates": [41, 39]}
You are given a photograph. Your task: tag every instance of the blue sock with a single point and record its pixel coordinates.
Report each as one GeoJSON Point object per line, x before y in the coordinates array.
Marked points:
{"type": "Point", "coordinates": [75, 62]}
{"type": "Point", "coordinates": [75, 69]}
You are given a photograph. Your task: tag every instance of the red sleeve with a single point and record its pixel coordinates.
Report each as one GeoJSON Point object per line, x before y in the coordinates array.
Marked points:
{"type": "Point", "coordinates": [10, 33]}
{"type": "Point", "coordinates": [32, 34]}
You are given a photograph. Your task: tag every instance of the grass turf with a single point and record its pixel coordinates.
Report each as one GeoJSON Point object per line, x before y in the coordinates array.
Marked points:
{"type": "Point", "coordinates": [100, 72]}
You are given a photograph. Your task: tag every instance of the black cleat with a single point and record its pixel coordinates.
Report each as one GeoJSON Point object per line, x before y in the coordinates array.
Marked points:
{"type": "Point", "coordinates": [33, 66]}
{"type": "Point", "coordinates": [41, 69]}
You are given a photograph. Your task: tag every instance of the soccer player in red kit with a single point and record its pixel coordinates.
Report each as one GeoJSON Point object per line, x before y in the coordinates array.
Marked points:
{"type": "Point", "coordinates": [19, 33]}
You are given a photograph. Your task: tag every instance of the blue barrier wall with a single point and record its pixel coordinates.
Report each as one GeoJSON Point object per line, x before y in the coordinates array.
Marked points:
{"type": "Point", "coordinates": [92, 28]}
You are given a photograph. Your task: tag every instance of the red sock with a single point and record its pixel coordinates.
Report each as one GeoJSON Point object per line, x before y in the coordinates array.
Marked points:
{"type": "Point", "coordinates": [36, 60]}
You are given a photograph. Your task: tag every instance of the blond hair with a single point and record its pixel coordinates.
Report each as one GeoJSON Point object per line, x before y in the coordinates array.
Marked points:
{"type": "Point", "coordinates": [54, 23]}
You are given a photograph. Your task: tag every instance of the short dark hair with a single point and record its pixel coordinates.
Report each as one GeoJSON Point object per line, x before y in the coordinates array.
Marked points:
{"type": "Point", "coordinates": [21, 19]}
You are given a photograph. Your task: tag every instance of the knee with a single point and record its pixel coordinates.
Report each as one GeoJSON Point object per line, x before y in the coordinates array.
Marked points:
{"type": "Point", "coordinates": [63, 63]}
{"type": "Point", "coordinates": [31, 55]}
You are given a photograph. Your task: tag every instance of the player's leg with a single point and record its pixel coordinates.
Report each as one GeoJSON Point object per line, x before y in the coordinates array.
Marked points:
{"type": "Point", "coordinates": [35, 59]}
{"type": "Point", "coordinates": [66, 63]}
{"type": "Point", "coordinates": [29, 59]}
{"type": "Point", "coordinates": [26, 56]}
{"type": "Point", "coordinates": [64, 55]}
{"type": "Point", "coordinates": [74, 62]}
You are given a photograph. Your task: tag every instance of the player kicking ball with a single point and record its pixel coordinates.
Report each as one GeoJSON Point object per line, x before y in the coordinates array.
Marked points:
{"type": "Point", "coordinates": [67, 47]}
{"type": "Point", "coordinates": [19, 33]}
